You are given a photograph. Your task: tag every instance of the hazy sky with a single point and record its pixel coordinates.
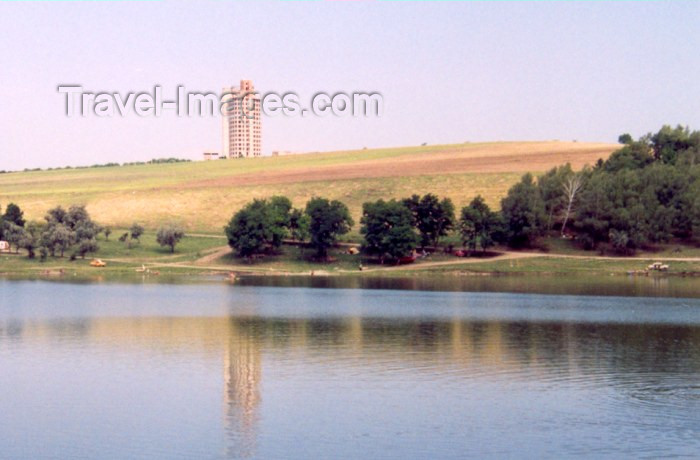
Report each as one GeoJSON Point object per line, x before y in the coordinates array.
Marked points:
{"type": "Point", "coordinates": [449, 71]}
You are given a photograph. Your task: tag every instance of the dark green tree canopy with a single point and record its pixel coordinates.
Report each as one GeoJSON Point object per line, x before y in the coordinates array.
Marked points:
{"type": "Point", "coordinates": [638, 207]}
{"type": "Point", "coordinates": [634, 155]}
{"type": "Point", "coordinates": [523, 213]}
{"type": "Point", "coordinates": [13, 214]}
{"type": "Point", "coordinates": [669, 144]}
{"type": "Point", "coordinates": [387, 227]}
{"type": "Point", "coordinates": [624, 138]}
{"type": "Point", "coordinates": [327, 221]}
{"type": "Point", "coordinates": [478, 225]}
{"type": "Point", "coordinates": [259, 227]}
{"type": "Point", "coordinates": [551, 185]}
{"type": "Point", "coordinates": [432, 217]}
{"type": "Point", "coordinates": [298, 225]}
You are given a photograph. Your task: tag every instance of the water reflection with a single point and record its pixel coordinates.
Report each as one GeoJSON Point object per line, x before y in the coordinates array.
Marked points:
{"type": "Point", "coordinates": [242, 378]}
{"type": "Point", "coordinates": [577, 284]}
{"type": "Point", "coordinates": [589, 380]}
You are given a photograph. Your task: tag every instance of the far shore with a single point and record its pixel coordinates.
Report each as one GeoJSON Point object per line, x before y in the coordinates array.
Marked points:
{"type": "Point", "coordinates": [208, 256]}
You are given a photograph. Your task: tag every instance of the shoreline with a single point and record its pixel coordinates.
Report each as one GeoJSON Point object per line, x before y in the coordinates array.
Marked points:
{"type": "Point", "coordinates": [456, 269]}
{"type": "Point", "coordinates": [204, 255]}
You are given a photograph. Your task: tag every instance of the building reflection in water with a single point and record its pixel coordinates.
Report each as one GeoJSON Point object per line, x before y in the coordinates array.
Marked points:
{"type": "Point", "coordinates": [607, 355]}
{"type": "Point", "coordinates": [242, 375]}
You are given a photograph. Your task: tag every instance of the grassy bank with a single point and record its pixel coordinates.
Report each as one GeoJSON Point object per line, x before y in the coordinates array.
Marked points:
{"type": "Point", "coordinates": [208, 254]}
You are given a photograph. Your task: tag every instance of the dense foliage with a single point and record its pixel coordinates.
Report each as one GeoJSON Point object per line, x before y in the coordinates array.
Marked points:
{"type": "Point", "coordinates": [259, 227]}
{"type": "Point", "coordinates": [478, 225]}
{"type": "Point", "coordinates": [388, 229]}
{"type": "Point", "coordinates": [432, 217]}
{"type": "Point", "coordinates": [327, 221]}
{"type": "Point", "coordinates": [69, 229]}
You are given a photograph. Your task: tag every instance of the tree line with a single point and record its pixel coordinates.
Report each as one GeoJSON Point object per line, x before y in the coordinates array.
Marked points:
{"type": "Point", "coordinates": [70, 231]}
{"type": "Point", "coordinates": [645, 193]}
{"type": "Point", "coordinates": [107, 165]}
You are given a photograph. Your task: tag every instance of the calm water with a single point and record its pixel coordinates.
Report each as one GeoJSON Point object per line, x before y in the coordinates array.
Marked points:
{"type": "Point", "coordinates": [219, 371]}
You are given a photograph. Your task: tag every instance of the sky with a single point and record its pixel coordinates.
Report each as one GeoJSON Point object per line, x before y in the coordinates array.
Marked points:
{"type": "Point", "coordinates": [449, 72]}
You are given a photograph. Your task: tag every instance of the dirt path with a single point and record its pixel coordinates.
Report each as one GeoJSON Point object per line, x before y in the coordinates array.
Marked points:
{"type": "Point", "coordinates": [216, 253]}
{"type": "Point", "coordinates": [207, 235]}
{"type": "Point", "coordinates": [456, 261]}
{"type": "Point", "coordinates": [512, 255]}
{"type": "Point", "coordinates": [209, 262]}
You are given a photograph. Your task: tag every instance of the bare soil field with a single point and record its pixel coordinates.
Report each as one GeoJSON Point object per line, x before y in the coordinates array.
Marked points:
{"type": "Point", "coordinates": [485, 158]}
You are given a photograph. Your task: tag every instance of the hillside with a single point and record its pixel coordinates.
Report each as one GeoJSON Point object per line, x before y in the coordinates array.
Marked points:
{"type": "Point", "coordinates": [204, 195]}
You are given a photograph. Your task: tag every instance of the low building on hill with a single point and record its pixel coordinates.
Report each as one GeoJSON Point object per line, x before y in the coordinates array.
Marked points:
{"type": "Point", "coordinates": [211, 156]}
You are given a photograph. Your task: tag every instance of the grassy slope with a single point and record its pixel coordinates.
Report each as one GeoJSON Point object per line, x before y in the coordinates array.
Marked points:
{"type": "Point", "coordinates": [203, 195]}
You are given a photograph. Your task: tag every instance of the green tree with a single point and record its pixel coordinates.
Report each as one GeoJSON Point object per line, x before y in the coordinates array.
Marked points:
{"type": "Point", "coordinates": [634, 155]}
{"type": "Point", "coordinates": [670, 144]}
{"type": "Point", "coordinates": [523, 213]}
{"type": "Point", "coordinates": [663, 195]}
{"type": "Point", "coordinates": [432, 217]}
{"type": "Point", "coordinates": [13, 214]}
{"type": "Point", "coordinates": [56, 215]}
{"type": "Point", "coordinates": [58, 237]}
{"type": "Point", "coordinates": [77, 216]}
{"type": "Point", "coordinates": [620, 242]}
{"type": "Point", "coordinates": [67, 228]}
{"type": "Point", "coordinates": [388, 229]}
{"type": "Point", "coordinates": [169, 235]}
{"type": "Point", "coordinates": [327, 221]}
{"type": "Point", "coordinates": [31, 238]}
{"type": "Point", "coordinates": [625, 139]}
{"type": "Point", "coordinates": [256, 228]}
{"type": "Point", "coordinates": [87, 246]}
{"type": "Point", "coordinates": [13, 234]}
{"type": "Point", "coordinates": [478, 224]}
{"type": "Point", "coordinates": [551, 185]}
{"type": "Point", "coordinates": [613, 201]}
{"type": "Point", "coordinates": [298, 225]}
{"type": "Point", "coordinates": [280, 209]}
{"type": "Point", "coordinates": [299, 228]}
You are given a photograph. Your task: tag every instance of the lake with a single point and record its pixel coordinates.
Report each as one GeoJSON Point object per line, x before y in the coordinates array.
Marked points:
{"type": "Point", "coordinates": [316, 369]}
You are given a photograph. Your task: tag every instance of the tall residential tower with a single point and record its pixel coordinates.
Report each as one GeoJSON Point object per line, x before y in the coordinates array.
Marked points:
{"type": "Point", "coordinates": [241, 122]}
